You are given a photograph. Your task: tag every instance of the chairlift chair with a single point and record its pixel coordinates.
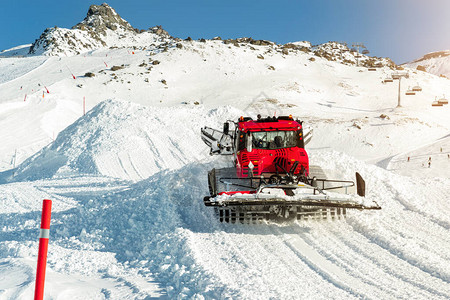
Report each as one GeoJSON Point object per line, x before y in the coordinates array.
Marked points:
{"type": "Point", "coordinates": [410, 92]}
{"type": "Point", "coordinates": [443, 100]}
{"type": "Point", "coordinates": [436, 103]}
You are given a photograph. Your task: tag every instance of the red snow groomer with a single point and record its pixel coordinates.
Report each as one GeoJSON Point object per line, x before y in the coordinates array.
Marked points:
{"type": "Point", "coordinates": [271, 178]}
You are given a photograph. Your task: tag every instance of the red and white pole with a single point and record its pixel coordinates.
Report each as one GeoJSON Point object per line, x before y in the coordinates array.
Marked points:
{"type": "Point", "coordinates": [43, 247]}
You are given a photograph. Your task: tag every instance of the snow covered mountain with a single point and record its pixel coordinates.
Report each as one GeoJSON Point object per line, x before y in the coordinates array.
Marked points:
{"type": "Point", "coordinates": [102, 28]}
{"type": "Point", "coordinates": [127, 178]}
{"type": "Point", "coordinates": [437, 63]}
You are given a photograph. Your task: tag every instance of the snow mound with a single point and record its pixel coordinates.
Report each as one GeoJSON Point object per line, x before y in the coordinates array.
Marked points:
{"type": "Point", "coordinates": [125, 140]}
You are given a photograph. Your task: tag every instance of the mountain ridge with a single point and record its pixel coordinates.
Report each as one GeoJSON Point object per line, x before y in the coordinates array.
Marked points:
{"type": "Point", "coordinates": [436, 63]}
{"type": "Point", "coordinates": [104, 28]}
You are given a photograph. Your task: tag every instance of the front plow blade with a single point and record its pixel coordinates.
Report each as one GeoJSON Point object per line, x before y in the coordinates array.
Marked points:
{"type": "Point", "coordinates": [279, 202]}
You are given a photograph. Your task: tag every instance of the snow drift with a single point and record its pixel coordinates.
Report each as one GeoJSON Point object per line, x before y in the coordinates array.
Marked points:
{"type": "Point", "coordinates": [124, 140]}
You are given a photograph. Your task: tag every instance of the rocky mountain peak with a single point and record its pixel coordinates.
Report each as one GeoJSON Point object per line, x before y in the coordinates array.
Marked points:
{"type": "Point", "coordinates": [102, 27]}
{"type": "Point", "coordinates": [102, 17]}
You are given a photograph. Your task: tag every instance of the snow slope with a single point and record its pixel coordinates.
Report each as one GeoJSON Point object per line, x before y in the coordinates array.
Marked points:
{"type": "Point", "coordinates": [437, 63]}
{"type": "Point", "coordinates": [155, 236]}
{"type": "Point", "coordinates": [213, 73]}
{"type": "Point", "coordinates": [127, 179]}
{"type": "Point", "coordinates": [123, 140]}
{"type": "Point", "coordinates": [13, 68]}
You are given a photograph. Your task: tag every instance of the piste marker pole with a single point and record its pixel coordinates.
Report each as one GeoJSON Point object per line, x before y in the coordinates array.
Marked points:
{"type": "Point", "coordinates": [43, 248]}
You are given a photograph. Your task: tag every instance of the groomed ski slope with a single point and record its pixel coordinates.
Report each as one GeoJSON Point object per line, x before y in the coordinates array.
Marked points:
{"type": "Point", "coordinates": [113, 238]}
{"type": "Point", "coordinates": [328, 95]}
{"type": "Point", "coordinates": [127, 182]}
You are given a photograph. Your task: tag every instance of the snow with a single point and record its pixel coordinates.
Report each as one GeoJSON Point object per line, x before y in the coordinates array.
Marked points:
{"type": "Point", "coordinates": [13, 68]}
{"type": "Point", "coordinates": [127, 179]}
{"type": "Point", "coordinates": [19, 51]}
{"type": "Point", "coordinates": [302, 44]}
{"type": "Point", "coordinates": [437, 63]}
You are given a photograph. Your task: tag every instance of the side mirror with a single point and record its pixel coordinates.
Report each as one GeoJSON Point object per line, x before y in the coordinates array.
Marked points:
{"type": "Point", "coordinates": [249, 142]}
{"type": "Point", "coordinates": [226, 128]}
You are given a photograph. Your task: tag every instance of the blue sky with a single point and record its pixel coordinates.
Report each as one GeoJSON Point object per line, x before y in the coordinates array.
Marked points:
{"type": "Point", "coordinates": [400, 29]}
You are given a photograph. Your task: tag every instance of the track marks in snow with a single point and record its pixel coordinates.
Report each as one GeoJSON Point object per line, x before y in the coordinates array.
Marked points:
{"type": "Point", "coordinates": [23, 197]}
{"type": "Point", "coordinates": [423, 202]}
{"type": "Point", "coordinates": [267, 268]}
{"type": "Point", "coordinates": [385, 269]}
{"type": "Point", "coordinates": [329, 271]}
{"type": "Point", "coordinates": [409, 226]}
{"type": "Point", "coordinates": [417, 250]}
{"type": "Point", "coordinates": [407, 234]}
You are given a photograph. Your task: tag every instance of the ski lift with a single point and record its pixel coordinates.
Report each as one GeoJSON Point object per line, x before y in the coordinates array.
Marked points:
{"type": "Point", "coordinates": [417, 88]}
{"type": "Point", "coordinates": [410, 92]}
{"type": "Point", "coordinates": [443, 100]}
{"type": "Point", "coordinates": [388, 79]}
{"type": "Point", "coordinates": [371, 69]}
{"type": "Point", "coordinates": [395, 76]}
{"type": "Point", "coordinates": [365, 51]}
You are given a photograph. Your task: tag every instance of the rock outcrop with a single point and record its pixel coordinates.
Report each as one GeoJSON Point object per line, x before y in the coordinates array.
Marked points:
{"type": "Point", "coordinates": [101, 28]}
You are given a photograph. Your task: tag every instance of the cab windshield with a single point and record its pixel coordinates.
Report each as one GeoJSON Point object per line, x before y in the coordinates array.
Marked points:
{"type": "Point", "coordinates": [274, 139]}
